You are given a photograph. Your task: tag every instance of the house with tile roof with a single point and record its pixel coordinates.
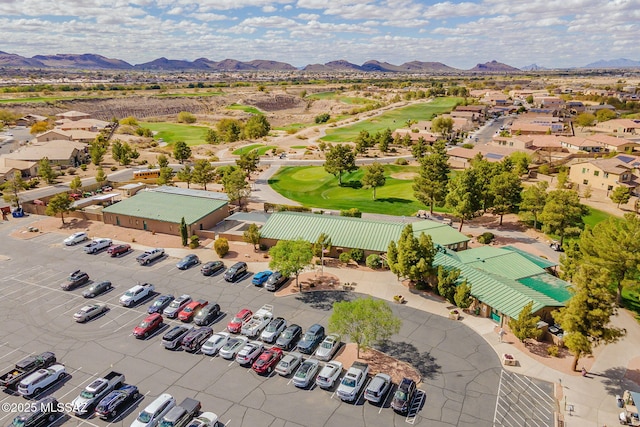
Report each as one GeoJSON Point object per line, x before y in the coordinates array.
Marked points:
{"type": "Point", "coordinates": [614, 143]}
{"type": "Point", "coordinates": [626, 127]}
{"type": "Point", "coordinates": [59, 152]}
{"type": "Point", "coordinates": [604, 174]}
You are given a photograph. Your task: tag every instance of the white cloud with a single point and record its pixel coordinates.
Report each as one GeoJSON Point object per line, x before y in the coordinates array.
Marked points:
{"type": "Point", "coordinates": [269, 9]}
{"type": "Point", "coordinates": [308, 16]}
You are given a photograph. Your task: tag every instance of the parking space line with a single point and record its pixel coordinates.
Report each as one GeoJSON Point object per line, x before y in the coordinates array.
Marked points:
{"type": "Point", "coordinates": [127, 324]}
{"type": "Point", "coordinates": [384, 401]}
{"type": "Point", "coordinates": [102, 326]}
{"type": "Point", "coordinates": [12, 351]}
{"type": "Point", "coordinates": [76, 387]}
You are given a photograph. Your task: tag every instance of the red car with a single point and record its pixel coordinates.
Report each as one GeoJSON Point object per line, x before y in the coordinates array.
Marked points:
{"type": "Point", "coordinates": [116, 250]}
{"type": "Point", "coordinates": [267, 361]}
{"type": "Point", "coordinates": [148, 326]}
{"type": "Point", "coordinates": [187, 313]}
{"type": "Point", "coordinates": [235, 325]}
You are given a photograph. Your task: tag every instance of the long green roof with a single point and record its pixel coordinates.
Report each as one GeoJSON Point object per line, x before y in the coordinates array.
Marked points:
{"type": "Point", "coordinates": [500, 261]}
{"type": "Point", "coordinates": [350, 232]}
{"type": "Point", "coordinates": [539, 261]}
{"type": "Point", "coordinates": [166, 207]}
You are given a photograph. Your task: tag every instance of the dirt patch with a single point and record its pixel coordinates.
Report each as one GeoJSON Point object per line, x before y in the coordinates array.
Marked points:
{"type": "Point", "coordinates": [309, 282]}
{"type": "Point", "coordinates": [406, 176]}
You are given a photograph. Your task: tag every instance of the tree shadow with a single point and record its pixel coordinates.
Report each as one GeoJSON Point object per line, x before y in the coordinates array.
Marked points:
{"type": "Point", "coordinates": [615, 379]}
{"type": "Point", "coordinates": [351, 184]}
{"type": "Point", "coordinates": [407, 352]}
{"type": "Point", "coordinates": [323, 300]}
{"type": "Point", "coordinates": [393, 200]}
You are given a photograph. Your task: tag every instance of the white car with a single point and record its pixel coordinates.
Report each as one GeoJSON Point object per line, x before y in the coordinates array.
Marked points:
{"type": "Point", "coordinates": [206, 419]}
{"type": "Point", "coordinates": [232, 347]}
{"type": "Point", "coordinates": [328, 347]}
{"type": "Point", "coordinates": [273, 330]}
{"type": "Point", "coordinates": [215, 343]}
{"type": "Point", "coordinates": [42, 378]}
{"type": "Point", "coordinates": [378, 388]}
{"type": "Point", "coordinates": [136, 294]}
{"type": "Point", "coordinates": [329, 374]}
{"type": "Point", "coordinates": [88, 312]}
{"type": "Point", "coordinates": [76, 238]}
{"type": "Point", "coordinates": [249, 352]}
{"type": "Point", "coordinates": [97, 245]}
{"type": "Point", "coordinates": [306, 372]}
{"type": "Point", "coordinates": [288, 363]}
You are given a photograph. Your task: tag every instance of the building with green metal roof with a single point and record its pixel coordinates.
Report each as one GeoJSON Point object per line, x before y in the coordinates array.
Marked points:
{"type": "Point", "coordinates": [162, 212]}
{"type": "Point", "coordinates": [372, 236]}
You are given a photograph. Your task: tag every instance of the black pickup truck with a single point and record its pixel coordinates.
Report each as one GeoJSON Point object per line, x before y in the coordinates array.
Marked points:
{"type": "Point", "coordinates": [25, 367]}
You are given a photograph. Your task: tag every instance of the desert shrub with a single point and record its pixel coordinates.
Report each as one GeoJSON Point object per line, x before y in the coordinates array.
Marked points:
{"type": "Point", "coordinates": [402, 162]}
{"type": "Point", "coordinates": [194, 241]}
{"type": "Point", "coordinates": [357, 255]}
{"type": "Point", "coordinates": [374, 261]}
{"type": "Point", "coordinates": [83, 167]}
{"type": "Point", "coordinates": [467, 145]}
{"type": "Point", "coordinates": [263, 247]}
{"type": "Point", "coordinates": [322, 118]}
{"type": "Point", "coordinates": [345, 257]}
{"type": "Point", "coordinates": [221, 246]}
{"type": "Point", "coordinates": [485, 238]}
{"type": "Point", "coordinates": [553, 350]}
{"type": "Point", "coordinates": [33, 183]}
{"type": "Point", "coordinates": [353, 212]}
{"type": "Point", "coordinates": [114, 168]}
{"type": "Point", "coordinates": [186, 117]}
{"type": "Point", "coordinates": [214, 159]}
{"type": "Point", "coordinates": [544, 169]}
{"type": "Point", "coordinates": [71, 171]}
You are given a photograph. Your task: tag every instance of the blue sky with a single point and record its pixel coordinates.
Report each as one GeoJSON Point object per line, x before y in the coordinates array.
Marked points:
{"type": "Point", "coordinates": [552, 33]}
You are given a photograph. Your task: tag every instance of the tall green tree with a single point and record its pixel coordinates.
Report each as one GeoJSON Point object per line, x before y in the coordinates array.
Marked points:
{"type": "Point", "coordinates": [385, 139]}
{"type": "Point", "coordinates": [374, 177]}
{"type": "Point", "coordinates": [252, 235]}
{"type": "Point", "coordinates": [181, 151]}
{"type": "Point", "coordinates": [163, 161]}
{"type": "Point", "coordinates": [447, 278]}
{"type": "Point", "coordinates": [45, 171]}
{"type": "Point", "coordinates": [291, 257]}
{"type": "Point", "coordinates": [507, 193]}
{"type": "Point", "coordinates": [464, 195]}
{"type": "Point", "coordinates": [442, 125]}
{"type": "Point", "coordinates": [249, 162]}
{"type": "Point", "coordinates": [184, 232]}
{"type": "Point", "coordinates": [365, 321]}
{"type": "Point", "coordinates": [236, 186]}
{"type": "Point", "coordinates": [415, 256]}
{"type": "Point", "coordinates": [485, 171]}
{"type": "Point", "coordinates": [620, 195]}
{"type": "Point", "coordinates": [97, 149]}
{"type": "Point", "coordinates": [463, 296]}
{"type": "Point", "coordinates": [585, 120]}
{"type": "Point", "coordinates": [323, 243]}
{"type": "Point", "coordinates": [430, 187]}
{"type": "Point", "coordinates": [256, 127]}
{"type": "Point", "coordinates": [12, 189]}
{"type": "Point", "coordinates": [563, 214]}
{"type": "Point", "coordinates": [534, 197]}
{"type": "Point", "coordinates": [61, 204]}
{"type": "Point", "coordinates": [586, 319]}
{"type": "Point", "coordinates": [166, 176]}
{"type": "Point", "coordinates": [212, 137]}
{"type": "Point", "coordinates": [420, 149]}
{"type": "Point", "coordinates": [185, 175]}
{"type": "Point", "coordinates": [229, 130]}
{"type": "Point", "coordinates": [75, 184]}
{"type": "Point", "coordinates": [203, 172]}
{"type": "Point", "coordinates": [100, 176]}
{"type": "Point", "coordinates": [123, 153]}
{"type": "Point", "coordinates": [525, 327]}
{"type": "Point", "coordinates": [339, 159]}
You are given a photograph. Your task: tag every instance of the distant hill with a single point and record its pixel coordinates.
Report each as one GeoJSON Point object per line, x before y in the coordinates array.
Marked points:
{"type": "Point", "coordinates": [533, 67]}
{"type": "Point", "coordinates": [614, 63]}
{"type": "Point", "coordinates": [340, 65]}
{"type": "Point", "coordinates": [494, 67]}
{"type": "Point", "coordinates": [434, 67]}
{"type": "Point", "coordinates": [13, 60]}
{"type": "Point", "coordinates": [85, 61]}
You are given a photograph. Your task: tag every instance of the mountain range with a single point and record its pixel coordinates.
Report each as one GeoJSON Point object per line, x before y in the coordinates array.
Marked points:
{"type": "Point", "coordinates": [99, 62]}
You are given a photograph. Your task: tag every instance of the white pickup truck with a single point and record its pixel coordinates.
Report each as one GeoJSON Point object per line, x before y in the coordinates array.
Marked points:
{"type": "Point", "coordinates": [353, 381]}
{"type": "Point", "coordinates": [136, 294]}
{"type": "Point", "coordinates": [97, 245]}
{"type": "Point", "coordinates": [150, 255]}
{"type": "Point", "coordinates": [95, 391]}
{"type": "Point", "coordinates": [258, 321]}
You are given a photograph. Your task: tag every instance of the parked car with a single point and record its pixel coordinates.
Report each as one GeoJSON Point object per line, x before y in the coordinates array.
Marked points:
{"type": "Point", "coordinates": [136, 294]}
{"type": "Point", "coordinates": [288, 363]}
{"type": "Point", "coordinates": [215, 343]}
{"type": "Point", "coordinates": [97, 245]}
{"type": "Point", "coordinates": [39, 414]}
{"type": "Point", "coordinates": [235, 325]}
{"type": "Point", "coordinates": [16, 373]}
{"type": "Point", "coordinates": [289, 337]}
{"type": "Point", "coordinates": [249, 353]}
{"type": "Point", "coordinates": [273, 330]}
{"type": "Point", "coordinates": [306, 373]}
{"type": "Point", "coordinates": [154, 412]}
{"type": "Point", "coordinates": [274, 281]}
{"type": "Point", "coordinates": [149, 325]}
{"type": "Point", "coordinates": [113, 403]}
{"type": "Point", "coordinates": [267, 361]}
{"type": "Point", "coordinates": [232, 347]}
{"type": "Point", "coordinates": [195, 338]}
{"type": "Point", "coordinates": [378, 388]}
{"type": "Point", "coordinates": [329, 374]}
{"type": "Point", "coordinates": [91, 394]}
{"type": "Point", "coordinates": [118, 250]}
{"type": "Point", "coordinates": [76, 238]}
{"type": "Point", "coordinates": [261, 277]}
{"type": "Point", "coordinates": [34, 383]}
{"type": "Point", "coordinates": [404, 395]}
{"type": "Point", "coordinates": [75, 279]}
{"type": "Point", "coordinates": [160, 304]}
{"type": "Point", "coordinates": [173, 339]}
{"type": "Point", "coordinates": [180, 415]}
{"type": "Point", "coordinates": [188, 261]}
{"type": "Point", "coordinates": [190, 310]}
{"type": "Point", "coordinates": [211, 267]}
{"type": "Point", "coordinates": [207, 314]}
{"type": "Point", "coordinates": [149, 256]}
{"type": "Point", "coordinates": [328, 347]}
{"type": "Point", "coordinates": [205, 419]}
{"type": "Point", "coordinates": [97, 288]}
{"type": "Point", "coordinates": [176, 306]}
{"type": "Point", "coordinates": [89, 312]}
{"type": "Point", "coordinates": [236, 271]}
{"type": "Point", "coordinates": [311, 339]}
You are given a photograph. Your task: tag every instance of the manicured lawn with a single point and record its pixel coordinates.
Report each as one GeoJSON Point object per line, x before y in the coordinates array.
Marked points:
{"type": "Point", "coordinates": [595, 216]}
{"type": "Point", "coordinates": [392, 119]}
{"type": "Point", "coordinates": [294, 127]}
{"type": "Point", "coordinates": [345, 99]}
{"type": "Point", "coordinates": [172, 132]}
{"type": "Point", "coordinates": [299, 147]}
{"type": "Point", "coordinates": [631, 301]}
{"type": "Point", "coordinates": [312, 186]}
{"type": "Point", "coordinates": [187, 95]}
{"type": "Point", "coordinates": [261, 149]}
{"type": "Point", "coordinates": [245, 108]}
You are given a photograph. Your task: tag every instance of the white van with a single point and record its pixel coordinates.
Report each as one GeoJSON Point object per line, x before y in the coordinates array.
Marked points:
{"type": "Point", "coordinates": [153, 413]}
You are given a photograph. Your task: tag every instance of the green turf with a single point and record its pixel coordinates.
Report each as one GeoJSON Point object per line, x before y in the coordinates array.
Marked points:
{"type": "Point", "coordinates": [187, 95]}
{"type": "Point", "coordinates": [312, 186]}
{"type": "Point", "coordinates": [595, 216]}
{"type": "Point", "coordinates": [344, 99]}
{"type": "Point", "coordinates": [261, 149]}
{"type": "Point", "coordinates": [245, 108]}
{"type": "Point", "coordinates": [392, 119]}
{"type": "Point", "coordinates": [294, 127]}
{"type": "Point", "coordinates": [46, 99]}
{"type": "Point", "coordinates": [322, 95]}
{"type": "Point", "coordinates": [298, 147]}
{"type": "Point", "coordinates": [631, 300]}
{"type": "Point", "coordinates": [172, 132]}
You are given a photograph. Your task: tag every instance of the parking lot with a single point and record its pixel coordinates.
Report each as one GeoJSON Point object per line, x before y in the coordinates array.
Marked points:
{"type": "Point", "coordinates": [460, 371]}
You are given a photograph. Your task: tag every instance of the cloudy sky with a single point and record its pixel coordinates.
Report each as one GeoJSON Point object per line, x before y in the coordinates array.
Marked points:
{"type": "Point", "coordinates": [552, 33]}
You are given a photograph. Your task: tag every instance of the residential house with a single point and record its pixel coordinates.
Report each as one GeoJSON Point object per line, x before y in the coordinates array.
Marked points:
{"type": "Point", "coordinates": [27, 169]}
{"type": "Point", "coordinates": [73, 115]}
{"type": "Point", "coordinates": [612, 143]}
{"type": "Point", "coordinates": [593, 109]}
{"type": "Point", "coordinates": [462, 157]}
{"type": "Point", "coordinates": [520, 142]}
{"type": "Point", "coordinates": [415, 136]}
{"type": "Point", "coordinates": [30, 119]}
{"type": "Point", "coordinates": [479, 110]}
{"type": "Point", "coordinates": [551, 102]}
{"type": "Point", "coordinates": [59, 152]}
{"type": "Point", "coordinates": [604, 174]}
{"type": "Point", "coordinates": [575, 107]}
{"type": "Point", "coordinates": [620, 126]}
{"type": "Point", "coordinates": [92, 125]}
{"type": "Point", "coordinates": [523, 127]}
{"type": "Point", "coordinates": [54, 134]}
{"type": "Point", "coordinates": [577, 144]}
